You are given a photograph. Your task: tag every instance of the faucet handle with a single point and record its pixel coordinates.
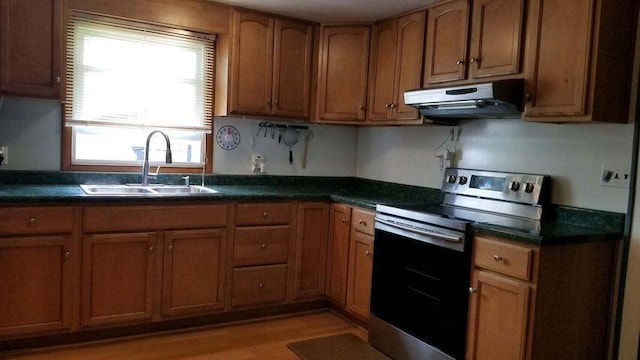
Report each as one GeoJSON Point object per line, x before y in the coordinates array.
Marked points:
{"type": "Point", "coordinates": [186, 180]}
{"type": "Point", "coordinates": [155, 174]}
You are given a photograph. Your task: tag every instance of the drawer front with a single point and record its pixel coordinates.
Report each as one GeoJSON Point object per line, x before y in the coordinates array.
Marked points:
{"type": "Point", "coordinates": [263, 214]}
{"type": "Point", "coordinates": [508, 259]}
{"type": "Point", "coordinates": [154, 217]}
{"type": "Point", "coordinates": [362, 221]}
{"type": "Point", "coordinates": [261, 245]}
{"type": "Point", "coordinates": [259, 285]}
{"type": "Point", "coordinates": [36, 220]}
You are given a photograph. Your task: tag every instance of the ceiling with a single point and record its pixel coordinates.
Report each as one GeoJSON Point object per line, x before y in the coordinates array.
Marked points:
{"type": "Point", "coordinates": [325, 11]}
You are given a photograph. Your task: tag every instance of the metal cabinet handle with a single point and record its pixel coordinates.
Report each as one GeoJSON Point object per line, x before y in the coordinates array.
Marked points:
{"type": "Point", "coordinates": [261, 285]}
{"type": "Point", "coordinates": [497, 257]}
{"type": "Point", "coordinates": [344, 220]}
{"type": "Point", "coordinates": [360, 107]}
{"type": "Point", "coordinates": [277, 103]}
{"type": "Point", "coordinates": [265, 214]}
{"type": "Point", "coordinates": [367, 253]}
{"type": "Point", "coordinates": [527, 97]}
{"type": "Point", "coordinates": [362, 222]}
{"type": "Point", "coordinates": [67, 254]}
{"type": "Point", "coordinates": [263, 246]}
{"type": "Point", "coordinates": [475, 60]}
{"type": "Point", "coordinates": [460, 62]}
{"type": "Point", "coordinates": [150, 249]}
{"type": "Point", "coordinates": [472, 290]}
{"type": "Point", "coordinates": [57, 79]}
{"type": "Point", "coordinates": [32, 220]}
{"type": "Point", "coordinates": [269, 101]}
{"type": "Point", "coordinates": [171, 248]}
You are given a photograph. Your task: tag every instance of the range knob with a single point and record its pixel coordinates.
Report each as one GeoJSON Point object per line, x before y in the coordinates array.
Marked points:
{"type": "Point", "coordinates": [451, 179]}
{"type": "Point", "coordinates": [528, 187]}
{"type": "Point", "coordinates": [462, 180]}
{"type": "Point", "coordinates": [514, 186]}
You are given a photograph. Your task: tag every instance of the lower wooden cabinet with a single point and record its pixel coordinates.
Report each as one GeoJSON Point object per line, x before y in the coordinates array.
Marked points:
{"type": "Point", "coordinates": [540, 302]}
{"type": "Point", "coordinates": [311, 250]}
{"type": "Point", "coordinates": [338, 253]}
{"type": "Point", "coordinates": [35, 284]}
{"type": "Point", "coordinates": [118, 277]}
{"type": "Point", "coordinates": [193, 276]}
{"type": "Point", "coordinates": [259, 285]}
{"type": "Point", "coordinates": [360, 271]}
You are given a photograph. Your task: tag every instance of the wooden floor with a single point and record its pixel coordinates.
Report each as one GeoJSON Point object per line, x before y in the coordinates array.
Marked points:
{"type": "Point", "coordinates": [265, 340]}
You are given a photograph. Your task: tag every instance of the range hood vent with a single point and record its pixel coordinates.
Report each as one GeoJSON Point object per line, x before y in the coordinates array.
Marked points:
{"type": "Point", "coordinates": [495, 100]}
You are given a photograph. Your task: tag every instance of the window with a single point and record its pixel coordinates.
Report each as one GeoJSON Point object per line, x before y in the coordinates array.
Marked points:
{"type": "Point", "coordinates": [124, 81]}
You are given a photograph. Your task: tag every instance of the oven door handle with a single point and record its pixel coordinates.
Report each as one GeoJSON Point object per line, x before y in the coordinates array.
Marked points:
{"type": "Point", "coordinates": [437, 235]}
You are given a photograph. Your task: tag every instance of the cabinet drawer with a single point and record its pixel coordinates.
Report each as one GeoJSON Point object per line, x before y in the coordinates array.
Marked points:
{"type": "Point", "coordinates": [363, 221]}
{"type": "Point", "coordinates": [261, 245]}
{"type": "Point", "coordinates": [36, 220]}
{"type": "Point", "coordinates": [132, 218]}
{"type": "Point", "coordinates": [263, 214]}
{"type": "Point", "coordinates": [259, 285]}
{"type": "Point", "coordinates": [508, 259]}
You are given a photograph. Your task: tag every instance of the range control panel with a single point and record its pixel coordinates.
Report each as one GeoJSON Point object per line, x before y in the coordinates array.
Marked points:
{"type": "Point", "coordinates": [521, 188]}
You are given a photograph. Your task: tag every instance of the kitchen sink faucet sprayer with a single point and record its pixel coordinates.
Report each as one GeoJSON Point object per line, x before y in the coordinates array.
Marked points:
{"type": "Point", "coordinates": [145, 166]}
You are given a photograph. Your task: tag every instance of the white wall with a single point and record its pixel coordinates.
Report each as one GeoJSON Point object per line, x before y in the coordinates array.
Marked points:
{"type": "Point", "coordinates": [331, 151]}
{"type": "Point", "coordinates": [572, 154]}
{"type": "Point", "coordinates": [32, 129]}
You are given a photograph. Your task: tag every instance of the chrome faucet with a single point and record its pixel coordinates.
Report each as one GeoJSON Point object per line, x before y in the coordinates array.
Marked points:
{"type": "Point", "coordinates": [145, 167]}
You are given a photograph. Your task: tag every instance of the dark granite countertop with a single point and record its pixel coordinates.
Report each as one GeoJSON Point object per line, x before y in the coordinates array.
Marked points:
{"type": "Point", "coordinates": [562, 225]}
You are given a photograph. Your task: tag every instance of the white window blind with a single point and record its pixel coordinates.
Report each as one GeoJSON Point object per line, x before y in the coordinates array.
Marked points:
{"type": "Point", "coordinates": [120, 75]}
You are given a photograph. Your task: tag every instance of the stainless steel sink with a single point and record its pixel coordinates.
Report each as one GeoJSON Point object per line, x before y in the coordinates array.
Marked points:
{"type": "Point", "coordinates": [137, 190]}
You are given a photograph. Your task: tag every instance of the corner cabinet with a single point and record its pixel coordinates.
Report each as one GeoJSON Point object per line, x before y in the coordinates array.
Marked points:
{"type": "Point", "coordinates": [31, 48]}
{"type": "Point", "coordinates": [342, 85]}
{"type": "Point", "coordinates": [580, 60]}
{"type": "Point", "coordinates": [495, 46]}
{"type": "Point", "coordinates": [395, 67]}
{"type": "Point", "coordinates": [37, 260]}
{"type": "Point", "coordinates": [535, 302]}
{"type": "Point", "coordinates": [270, 70]}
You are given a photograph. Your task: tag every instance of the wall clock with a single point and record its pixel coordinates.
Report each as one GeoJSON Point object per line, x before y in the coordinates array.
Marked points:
{"type": "Point", "coordinates": [228, 137]}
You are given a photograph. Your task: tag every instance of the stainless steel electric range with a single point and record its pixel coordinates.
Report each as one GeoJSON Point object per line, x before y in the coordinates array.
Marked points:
{"type": "Point", "coordinates": [421, 266]}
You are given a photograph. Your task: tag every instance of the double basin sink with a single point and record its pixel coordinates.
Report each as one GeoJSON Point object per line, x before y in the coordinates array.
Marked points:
{"type": "Point", "coordinates": [142, 190]}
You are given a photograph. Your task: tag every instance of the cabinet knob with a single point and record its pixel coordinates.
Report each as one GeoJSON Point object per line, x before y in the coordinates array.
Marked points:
{"type": "Point", "coordinates": [360, 107]}
{"type": "Point", "coordinates": [269, 101]}
{"type": "Point", "coordinates": [460, 62]}
{"type": "Point", "coordinates": [261, 286]}
{"type": "Point", "coordinates": [392, 105]}
{"type": "Point", "coordinates": [32, 220]}
{"type": "Point", "coordinates": [367, 253]}
{"type": "Point", "coordinates": [497, 257]}
{"type": "Point", "coordinates": [277, 103]}
{"type": "Point", "coordinates": [472, 290]}
{"type": "Point", "coordinates": [263, 246]}
{"type": "Point", "coordinates": [527, 97]}
{"type": "Point", "coordinates": [171, 248]}
{"type": "Point", "coordinates": [475, 60]}
{"type": "Point", "coordinates": [344, 220]}
{"type": "Point", "coordinates": [57, 79]}
{"type": "Point", "coordinates": [362, 222]}
{"type": "Point", "coordinates": [265, 214]}
{"type": "Point", "coordinates": [67, 254]}
{"type": "Point", "coordinates": [150, 249]}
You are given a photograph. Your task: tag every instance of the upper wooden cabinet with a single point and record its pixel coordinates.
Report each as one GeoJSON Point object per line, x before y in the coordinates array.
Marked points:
{"type": "Point", "coordinates": [342, 86]}
{"type": "Point", "coordinates": [270, 70]}
{"type": "Point", "coordinates": [580, 60]}
{"type": "Point", "coordinates": [396, 66]}
{"type": "Point", "coordinates": [30, 47]}
{"type": "Point", "coordinates": [494, 47]}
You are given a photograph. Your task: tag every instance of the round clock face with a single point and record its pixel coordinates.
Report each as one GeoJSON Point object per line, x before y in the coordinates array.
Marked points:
{"type": "Point", "coordinates": [228, 137]}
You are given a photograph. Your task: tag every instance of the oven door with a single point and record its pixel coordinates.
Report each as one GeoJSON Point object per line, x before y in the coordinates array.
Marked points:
{"type": "Point", "coordinates": [422, 289]}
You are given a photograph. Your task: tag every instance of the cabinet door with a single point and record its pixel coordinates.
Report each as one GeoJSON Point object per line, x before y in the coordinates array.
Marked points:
{"type": "Point", "coordinates": [558, 57]}
{"type": "Point", "coordinates": [496, 37]}
{"type": "Point", "coordinates": [311, 250]}
{"type": "Point", "coordinates": [35, 284]}
{"type": "Point", "coordinates": [292, 68]}
{"type": "Point", "coordinates": [30, 51]}
{"type": "Point", "coordinates": [338, 253]}
{"type": "Point", "coordinates": [118, 278]}
{"type": "Point", "coordinates": [382, 70]}
{"type": "Point", "coordinates": [193, 271]}
{"type": "Point", "coordinates": [446, 42]}
{"type": "Point", "coordinates": [360, 270]}
{"type": "Point", "coordinates": [344, 58]}
{"type": "Point", "coordinates": [498, 317]}
{"type": "Point", "coordinates": [251, 70]}
{"type": "Point", "coordinates": [411, 30]}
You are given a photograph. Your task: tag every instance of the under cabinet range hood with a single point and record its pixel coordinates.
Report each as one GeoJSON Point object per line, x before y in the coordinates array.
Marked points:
{"type": "Point", "coordinates": [499, 99]}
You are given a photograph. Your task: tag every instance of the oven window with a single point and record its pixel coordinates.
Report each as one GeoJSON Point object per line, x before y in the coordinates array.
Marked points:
{"type": "Point", "coordinates": [487, 183]}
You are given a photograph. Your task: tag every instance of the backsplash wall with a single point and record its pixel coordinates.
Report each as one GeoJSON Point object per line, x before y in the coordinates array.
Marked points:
{"type": "Point", "coordinates": [572, 154]}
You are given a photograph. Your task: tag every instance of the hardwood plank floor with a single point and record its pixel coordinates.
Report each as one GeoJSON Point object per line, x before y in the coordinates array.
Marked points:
{"type": "Point", "coordinates": [264, 340]}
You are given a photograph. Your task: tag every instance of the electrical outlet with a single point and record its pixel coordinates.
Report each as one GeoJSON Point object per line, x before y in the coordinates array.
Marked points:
{"type": "Point", "coordinates": [614, 176]}
{"type": "Point", "coordinates": [4, 153]}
